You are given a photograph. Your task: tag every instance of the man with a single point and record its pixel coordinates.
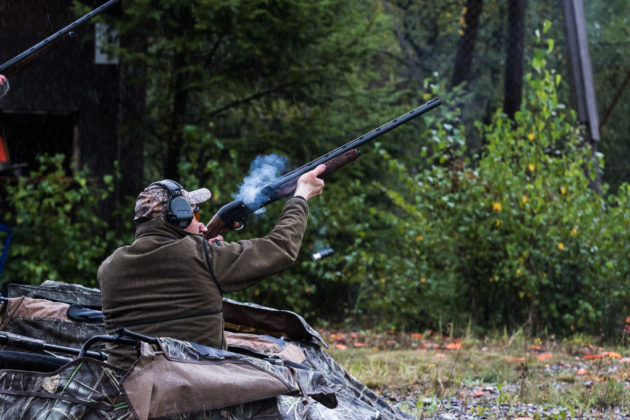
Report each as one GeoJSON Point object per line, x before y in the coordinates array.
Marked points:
{"type": "Point", "coordinates": [170, 280]}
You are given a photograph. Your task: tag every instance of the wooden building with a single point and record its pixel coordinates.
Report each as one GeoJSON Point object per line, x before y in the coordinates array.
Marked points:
{"type": "Point", "coordinates": [69, 99]}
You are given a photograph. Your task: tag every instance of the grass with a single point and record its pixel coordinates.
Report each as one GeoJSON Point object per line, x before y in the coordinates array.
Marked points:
{"type": "Point", "coordinates": [573, 375]}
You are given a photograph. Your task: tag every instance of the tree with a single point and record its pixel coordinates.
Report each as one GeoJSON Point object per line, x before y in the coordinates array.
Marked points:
{"type": "Point", "coordinates": [466, 44]}
{"type": "Point", "coordinates": [223, 66]}
{"type": "Point", "coordinates": [513, 91]}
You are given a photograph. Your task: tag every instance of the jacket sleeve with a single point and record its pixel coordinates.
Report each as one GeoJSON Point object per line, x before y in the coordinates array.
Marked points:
{"type": "Point", "coordinates": [238, 265]}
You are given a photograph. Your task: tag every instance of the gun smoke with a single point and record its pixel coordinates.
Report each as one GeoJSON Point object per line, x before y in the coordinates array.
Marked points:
{"type": "Point", "coordinates": [262, 170]}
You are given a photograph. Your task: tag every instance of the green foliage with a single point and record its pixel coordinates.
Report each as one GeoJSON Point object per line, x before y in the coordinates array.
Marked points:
{"type": "Point", "coordinates": [58, 228]}
{"type": "Point", "coordinates": [608, 40]}
{"type": "Point", "coordinates": [510, 237]}
{"type": "Point", "coordinates": [427, 233]}
{"type": "Point", "coordinates": [514, 235]}
{"type": "Point", "coordinates": [254, 75]}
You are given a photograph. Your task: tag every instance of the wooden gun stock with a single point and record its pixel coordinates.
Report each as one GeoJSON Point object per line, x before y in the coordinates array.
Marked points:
{"type": "Point", "coordinates": [332, 165]}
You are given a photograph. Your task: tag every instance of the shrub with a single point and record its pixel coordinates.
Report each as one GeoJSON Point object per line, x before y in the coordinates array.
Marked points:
{"type": "Point", "coordinates": [512, 236]}
{"type": "Point", "coordinates": [59, 232]}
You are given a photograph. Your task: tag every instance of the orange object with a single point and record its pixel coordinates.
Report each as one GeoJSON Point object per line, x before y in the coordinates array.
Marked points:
{"type": "Point", "coordinates": [454, 346]}
{"type": "Point", "coordinates": [582, 372]}
{"type": "Point", "coordinates": [516, 359]}
{"type": "Point", "coordinates": [340, 346]}
{"type": "Point", "coordinates": [596, 356]}
{"type": "Point", "coordinates": [545, 356]}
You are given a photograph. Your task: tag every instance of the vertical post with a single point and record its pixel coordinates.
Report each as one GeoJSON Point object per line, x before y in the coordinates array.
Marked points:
{"type": "Point", "coordinates": [581, 72]}
{"type": "Point", "coordinates": [581, 76]}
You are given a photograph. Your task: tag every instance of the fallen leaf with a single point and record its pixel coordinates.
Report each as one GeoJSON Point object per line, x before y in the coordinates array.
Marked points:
{"type": "Point", "coordinates": [516, 359]}
{"type": "Point", "coordinates": [478, 394]}
{"type": "Point", "coordinates": [545, 356]}
{"type": "Point", "coordinates": [341, 346]}
{"type": "Point", "coordinates": [582, 371]}
{"type": "Point", "coordinates": [453, 346]}
{"type": "Point", "coordinates": [416, 335]}
{"type": "Point", "coordinates": [596, 356]}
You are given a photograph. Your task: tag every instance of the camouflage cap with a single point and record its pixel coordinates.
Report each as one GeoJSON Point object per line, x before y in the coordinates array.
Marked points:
{"type": "Point", "coordinates": [151, 203]}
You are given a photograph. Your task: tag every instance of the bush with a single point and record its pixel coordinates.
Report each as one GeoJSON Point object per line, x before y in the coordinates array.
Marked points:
{"type": "Point", "coordinates": [513, 236]}
{"type": "Point", "coordinates": [59, 232]}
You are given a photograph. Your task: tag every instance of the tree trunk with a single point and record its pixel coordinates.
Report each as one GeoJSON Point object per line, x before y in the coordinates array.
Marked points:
{"type": "Point", "coordinates": [513, 91]}
{"type": "Point", "coordinates": [467, 40]}
{"type": "Point", "coordinates": [175, 140]}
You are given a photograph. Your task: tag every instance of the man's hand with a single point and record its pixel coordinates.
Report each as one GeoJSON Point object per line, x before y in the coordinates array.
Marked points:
{"type": "Point", "coordinates": [309, 185]}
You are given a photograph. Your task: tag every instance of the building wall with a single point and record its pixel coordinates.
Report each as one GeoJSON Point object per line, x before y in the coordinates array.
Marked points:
{"type": "Point", "coordinates": [62, 101]}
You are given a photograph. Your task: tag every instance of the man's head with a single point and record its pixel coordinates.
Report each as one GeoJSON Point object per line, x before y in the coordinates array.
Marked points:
{"type": "Point", "coordinates": [169, 201]}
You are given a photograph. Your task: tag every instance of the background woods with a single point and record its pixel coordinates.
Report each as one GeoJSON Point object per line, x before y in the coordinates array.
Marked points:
{"type": "Point", "coordinates": [477, 215]}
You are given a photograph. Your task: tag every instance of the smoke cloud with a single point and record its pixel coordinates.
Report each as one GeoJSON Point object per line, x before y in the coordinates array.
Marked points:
{"type": "Point", "coordinates": [262, 170]}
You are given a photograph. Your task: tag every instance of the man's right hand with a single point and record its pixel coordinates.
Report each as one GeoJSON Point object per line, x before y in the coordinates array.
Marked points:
{"type": "Point", "coordinates": [309, 185]}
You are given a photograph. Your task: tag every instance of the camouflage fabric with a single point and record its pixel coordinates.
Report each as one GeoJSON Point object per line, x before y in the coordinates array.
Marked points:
{"type": "Point", "coordinates": [249, 317]}
{"type": "Point", "coordinates": [82, 389]}
{"type": "Point", "coordinates": [160, 383]}
{"type": "Point", "coordinates": [182, 380]}
{"type": "Point", "coordinates": [46, 320]}
{"type": "Point", "coordinates": [270, 346]}
{"type": "Point", "coordinates": [58, 292]}
{"type": "Point", "coordinates": [356, 400]}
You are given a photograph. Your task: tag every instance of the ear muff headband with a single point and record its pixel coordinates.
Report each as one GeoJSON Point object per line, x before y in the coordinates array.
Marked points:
{"type": "Point", "coordinates": [179, 212]}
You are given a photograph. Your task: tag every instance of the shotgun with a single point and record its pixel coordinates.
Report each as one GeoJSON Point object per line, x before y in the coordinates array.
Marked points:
{"type": "Point", "coordinates": [233, 216]}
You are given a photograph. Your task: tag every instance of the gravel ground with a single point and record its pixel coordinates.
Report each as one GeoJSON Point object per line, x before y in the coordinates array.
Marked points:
{"type": "Point", "coordinates": [484, 403]}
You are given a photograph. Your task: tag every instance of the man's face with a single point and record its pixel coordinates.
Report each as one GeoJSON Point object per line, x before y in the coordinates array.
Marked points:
{"type": "Point", "coordinates": [195, 225]}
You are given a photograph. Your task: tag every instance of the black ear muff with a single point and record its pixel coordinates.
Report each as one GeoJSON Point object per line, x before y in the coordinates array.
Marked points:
{"type": "Point", "coordinates": [179, 212]}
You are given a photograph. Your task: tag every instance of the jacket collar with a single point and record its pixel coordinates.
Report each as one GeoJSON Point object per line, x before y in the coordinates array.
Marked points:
{"type": "Point", "coordinates": [160, 227]}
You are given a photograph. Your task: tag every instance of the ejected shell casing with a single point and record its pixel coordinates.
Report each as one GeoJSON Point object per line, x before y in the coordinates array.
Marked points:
{"type": "Point", "coordinates": [323, 254]}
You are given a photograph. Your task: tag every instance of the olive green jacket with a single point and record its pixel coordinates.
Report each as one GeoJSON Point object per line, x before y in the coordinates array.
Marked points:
{"type": "Point", "coordinates": [170, 282]}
